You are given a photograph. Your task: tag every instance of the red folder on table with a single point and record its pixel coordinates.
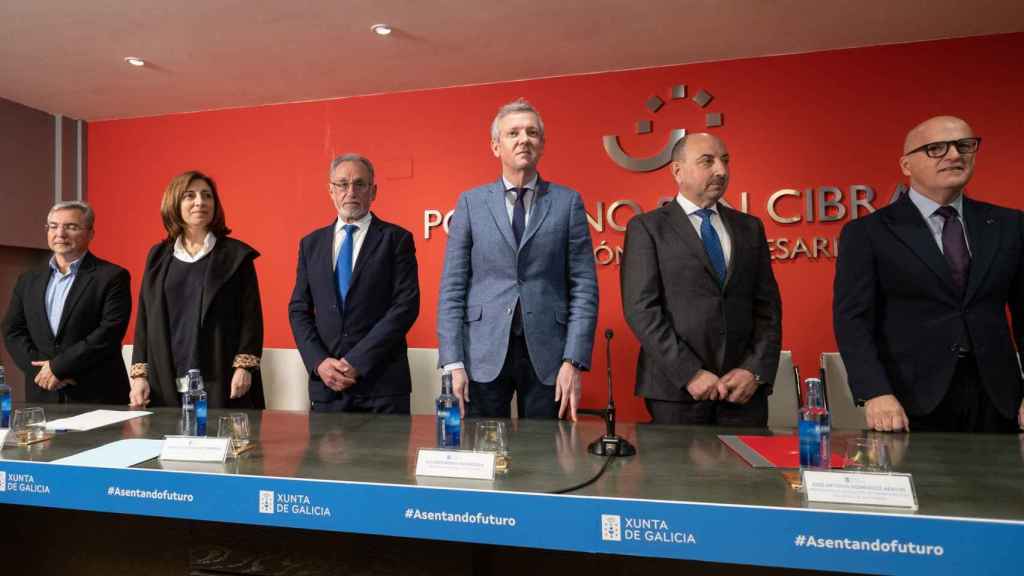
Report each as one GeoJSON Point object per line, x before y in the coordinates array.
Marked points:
{"type": "Point", "coordinates": [771, 451]}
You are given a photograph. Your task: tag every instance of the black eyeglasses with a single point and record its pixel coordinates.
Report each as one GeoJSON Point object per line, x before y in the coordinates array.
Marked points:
{"type": "Point", "coordinates": [940, 149]}
{"type": "Point", "coordinates": [357, 186]}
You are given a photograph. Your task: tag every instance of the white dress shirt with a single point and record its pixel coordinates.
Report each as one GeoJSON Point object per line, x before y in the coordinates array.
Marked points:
{"type": "Point", "coordinates": [716, 222]}
{"type": "Point", "coordinates": [181, 254]}
{"type": "Point", "coordinates": [362, 225]}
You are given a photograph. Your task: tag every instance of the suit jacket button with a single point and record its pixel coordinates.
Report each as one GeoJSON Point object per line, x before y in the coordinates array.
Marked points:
{"type": "Point", "coordinates": [334, 308]}
{"type": "Point", "coordinates": [508, 311]}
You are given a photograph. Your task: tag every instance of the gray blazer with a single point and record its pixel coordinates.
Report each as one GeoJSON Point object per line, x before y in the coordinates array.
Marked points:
{"type": "Point", "coordinates": [551, 275]}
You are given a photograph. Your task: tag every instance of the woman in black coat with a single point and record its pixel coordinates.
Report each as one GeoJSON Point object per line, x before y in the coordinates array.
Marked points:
{"type": "Point", "coordinates": [199, 306]}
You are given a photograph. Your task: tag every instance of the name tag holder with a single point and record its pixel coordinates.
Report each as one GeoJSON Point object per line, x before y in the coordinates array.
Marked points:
{"type": "Point", "coordinates": [877, 489]}
{"type": "Point", "coordinates": [455, 464]}
{"type": "Point", "coordinates": [195, 449]}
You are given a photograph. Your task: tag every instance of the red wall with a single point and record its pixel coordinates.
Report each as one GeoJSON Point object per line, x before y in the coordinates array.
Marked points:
{"type": "Point", "coordinates": [824, 119]}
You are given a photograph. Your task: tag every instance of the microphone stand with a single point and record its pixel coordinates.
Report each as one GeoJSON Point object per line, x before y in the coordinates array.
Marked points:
{"type": "Point", "coordinates": [610, 444]}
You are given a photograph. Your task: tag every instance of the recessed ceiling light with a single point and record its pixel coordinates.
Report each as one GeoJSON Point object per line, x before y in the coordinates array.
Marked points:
{"type": "Point", "coordinates": [135, 61]}
{"type": "Point", "coordinates": [381, 29]}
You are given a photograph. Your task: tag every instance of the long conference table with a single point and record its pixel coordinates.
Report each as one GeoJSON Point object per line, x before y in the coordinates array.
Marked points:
{"type": "Point", "coordinates": [338, 494]}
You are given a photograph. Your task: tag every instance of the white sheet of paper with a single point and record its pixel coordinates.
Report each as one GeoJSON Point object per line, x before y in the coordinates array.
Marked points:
{"type": "Point", "coordinates": [94, 419]}
{"type": "Point", "coordinates": [3, 435]}
{"type": "Point", "coordinates": [119, 454]}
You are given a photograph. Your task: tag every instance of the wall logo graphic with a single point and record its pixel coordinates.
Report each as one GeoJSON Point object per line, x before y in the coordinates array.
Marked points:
{"type": "Point", "coordinates": [664, 156]}
{"type": "Point", "coordinates": [3, 481]}
{"type": "Point", "coordinates": [611, 527]}
{"type": "Point", "coordinates": [266, 502]}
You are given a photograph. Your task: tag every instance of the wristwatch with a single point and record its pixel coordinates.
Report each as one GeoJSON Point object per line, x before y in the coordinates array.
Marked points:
{"type": "Point", "coordinates": [574, 364]}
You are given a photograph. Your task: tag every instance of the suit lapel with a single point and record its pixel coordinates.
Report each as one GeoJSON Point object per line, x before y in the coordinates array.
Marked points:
{"type": "Point", "coordinates": [82, 280]}
{"type": "Point", "coordinates": [323, 257]}
{"type": "Point", "coordinates": [38, 292]}
{"type": "Point", "coordinates": [906, 222]}
{"type": "Point", "coordinates": [541, 207]}
{"type": "Point", "coordinates": [684, 228]}
{"type": "Point", "coordinates": [983, 235]}
{"type": "Point", "coordinates": [215, 279]}
{"type": "Point", "coordinates": [373, 237]}
{"type": "Point", "coordinates": [496, 202]}
{"type": "Point", "coordinates": [736, 239]}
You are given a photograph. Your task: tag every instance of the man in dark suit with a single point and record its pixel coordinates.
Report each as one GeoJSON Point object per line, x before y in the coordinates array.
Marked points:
{"type": "Point", "coordinates": [65, 323]}
{"type": "Point", "coordinates": [921, 292]}
{"type": "Point", "coordinates": [356, 295]}
{"type": "Point", "coordinates": [518, 303]}
{"type": "Point", "coordinates": [699, 293]}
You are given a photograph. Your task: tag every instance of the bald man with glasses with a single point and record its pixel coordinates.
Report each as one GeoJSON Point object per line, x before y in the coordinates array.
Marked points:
{"type": "Point", "coordinates": [921, 292]}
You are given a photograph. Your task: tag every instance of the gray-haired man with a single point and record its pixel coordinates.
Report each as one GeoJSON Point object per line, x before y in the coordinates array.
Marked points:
{"type": "Point", "coordinates": [518, 302]}
{"type": "Point", "coordinates": [65, 322]}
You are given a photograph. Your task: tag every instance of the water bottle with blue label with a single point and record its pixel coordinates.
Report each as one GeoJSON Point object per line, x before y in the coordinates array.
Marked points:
{"type": "Point", "coordinates": [5, 400]}
{"type": "Point", "coordinates": [449, 420]}
{"type": "Point", "coordinates": [815, 429]}
{"type": "Point", "coordinates": [197, 394]}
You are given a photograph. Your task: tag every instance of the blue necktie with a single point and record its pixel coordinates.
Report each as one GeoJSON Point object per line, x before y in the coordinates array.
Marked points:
{"type": "Point", "coordinates": [343, 267]}
{"type": "Point", "coordinates": [519, 214]}
{"type": "Point", "coordinates": [712, 243]}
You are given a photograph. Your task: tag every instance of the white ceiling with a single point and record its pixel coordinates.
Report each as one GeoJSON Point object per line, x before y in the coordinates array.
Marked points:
{"type": "Point", "coordinates": [66, 56]}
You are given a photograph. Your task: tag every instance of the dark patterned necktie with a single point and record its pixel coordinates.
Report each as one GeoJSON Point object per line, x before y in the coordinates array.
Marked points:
{"type": "Point", "coordinates": [954, 246]}
{"type": "Point", "coordinates": [519, 214]}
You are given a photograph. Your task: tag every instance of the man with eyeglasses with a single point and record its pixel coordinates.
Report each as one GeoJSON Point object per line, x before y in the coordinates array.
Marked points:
{"type": "Point", "coordinates": [921, 292]}
{"type": "Point", "coordinates": [65, 322]}
{"type": "Point", "coordinates": [356, 296]}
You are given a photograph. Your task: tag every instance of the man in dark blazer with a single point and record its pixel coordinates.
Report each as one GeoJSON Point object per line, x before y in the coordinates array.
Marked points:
{"type": "Point", "coordinates": [65, 323]}
{"type": "Point", "coordinates": [356, 296]}
{"type": "Point", "coordinates": [518, 303]}
{"type": "Point", "coordinates": [921, 292]}
{"type": "Point", "coordinates": [699, 293]}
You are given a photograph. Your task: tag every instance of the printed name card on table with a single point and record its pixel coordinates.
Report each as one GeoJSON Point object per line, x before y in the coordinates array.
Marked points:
{"type": "Point", "coordinates": [455, 464]}
{"type": "Point", "coordinates": [860, 488]}
{"type": "Point", "coordinates": [195, 448]}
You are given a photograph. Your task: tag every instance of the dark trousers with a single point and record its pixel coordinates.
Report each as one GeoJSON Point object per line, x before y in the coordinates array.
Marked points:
{"type": "Point", "coordinates": [966, 406]}
{"type": "Point", "coordinates": [753, 414]}
{"type": "Point", "coordinates": [494, 399]}
{"type": "Point", "coordinates": [368, 404]}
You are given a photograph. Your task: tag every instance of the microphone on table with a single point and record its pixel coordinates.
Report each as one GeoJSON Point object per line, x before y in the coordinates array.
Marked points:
{"type": "Point", "coordinates": [610, 444]}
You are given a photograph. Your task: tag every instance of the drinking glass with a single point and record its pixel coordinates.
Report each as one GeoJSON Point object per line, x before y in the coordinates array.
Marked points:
{"type": "Point", "coordinates": [492, 436]}
{"type": "Point", "coordinates": [867, 455]}
{"type": "Point", "coordinates": [235, 427]}
{"type": "Point", "coordinates": [29, 425]}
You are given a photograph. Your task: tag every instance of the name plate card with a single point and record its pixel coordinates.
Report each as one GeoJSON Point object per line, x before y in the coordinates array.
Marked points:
{"type": "Point", "coordinates": [455, 464]}
{"type": "Point", "coordinates": [860, 488]}
{"type": "Point", "coordinates": [195, 448]}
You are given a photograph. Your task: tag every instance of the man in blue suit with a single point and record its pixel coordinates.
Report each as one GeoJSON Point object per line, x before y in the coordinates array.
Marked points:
{"type": "Point", "coordinates": [518, 302]}
{"type": "Point", "coordinates": [356, 295]}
